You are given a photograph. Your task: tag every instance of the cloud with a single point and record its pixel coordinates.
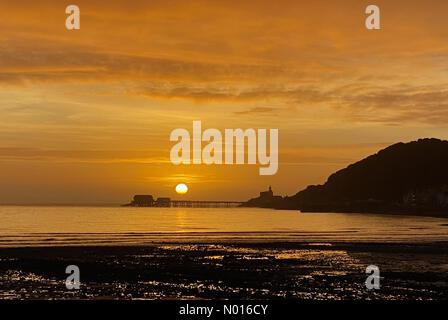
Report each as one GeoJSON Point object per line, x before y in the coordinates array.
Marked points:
{"type": "Point", "coordinates": [256, 110]}
{"type": "Point", "coordinates": [224, 92]}
{"type": "Point", "coordinates": [82, 156]}
{"type": "Point", "coordinates": [419, 104]}
{"type": "Point", "coordinates": [302, 58]}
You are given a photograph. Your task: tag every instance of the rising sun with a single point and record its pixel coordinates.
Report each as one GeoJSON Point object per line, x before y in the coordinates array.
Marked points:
{"type": "Point", "coordinates": [181, 188]}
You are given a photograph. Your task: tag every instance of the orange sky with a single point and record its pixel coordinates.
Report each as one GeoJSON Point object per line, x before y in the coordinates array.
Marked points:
{"type": "Point", "coordinates": [86, 115]}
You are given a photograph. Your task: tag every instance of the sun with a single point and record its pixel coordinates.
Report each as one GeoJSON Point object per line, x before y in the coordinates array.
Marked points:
{"type": "Point", "coordinates": [181, 188]}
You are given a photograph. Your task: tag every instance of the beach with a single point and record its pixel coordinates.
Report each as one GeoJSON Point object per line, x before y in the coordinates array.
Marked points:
{"type": "Point", "coordinates": [227, 271]}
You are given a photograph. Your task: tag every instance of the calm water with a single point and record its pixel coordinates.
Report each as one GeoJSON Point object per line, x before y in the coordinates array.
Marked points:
{"type": "Point", "coordinates": [37, 226]}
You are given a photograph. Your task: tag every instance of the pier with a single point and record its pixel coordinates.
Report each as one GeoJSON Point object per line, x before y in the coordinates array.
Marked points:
{"type": "Point", "coordinates": [149, 201]}
{"type": "Point", "coordinates": [204, 204]}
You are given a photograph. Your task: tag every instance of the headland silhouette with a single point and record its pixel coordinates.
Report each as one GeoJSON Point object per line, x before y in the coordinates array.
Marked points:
{"type": "Point", "coordinates": [404, 178]}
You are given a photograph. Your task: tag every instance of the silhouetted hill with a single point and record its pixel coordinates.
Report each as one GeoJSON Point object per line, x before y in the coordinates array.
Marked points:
{"type": "Point", "coordinates": [402, 178]}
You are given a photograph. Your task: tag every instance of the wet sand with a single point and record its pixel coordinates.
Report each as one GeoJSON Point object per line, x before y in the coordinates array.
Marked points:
{"type": "Point", "coordinates": [228, 271]}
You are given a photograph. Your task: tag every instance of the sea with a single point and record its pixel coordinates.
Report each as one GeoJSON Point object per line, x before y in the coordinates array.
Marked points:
{"type": "Point", "coordinates": [27, 226]}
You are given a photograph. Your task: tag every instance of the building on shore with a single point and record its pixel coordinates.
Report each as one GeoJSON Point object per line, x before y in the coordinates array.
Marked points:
{"type": "Point", "coordinates": [266, 199]}
{"type": "Point", "coordinates": [147, 200]}
{"type": "Point", "coordinates": [142, 200]}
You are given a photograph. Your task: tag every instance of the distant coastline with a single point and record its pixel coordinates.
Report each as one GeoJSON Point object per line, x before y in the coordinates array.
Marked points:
{"type": "Point", "coordinates": [403, 179]}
